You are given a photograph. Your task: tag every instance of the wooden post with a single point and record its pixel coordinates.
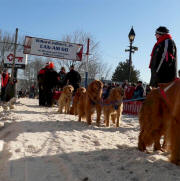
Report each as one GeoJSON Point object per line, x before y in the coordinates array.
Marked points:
{"type": "Point", "coordinates": [14, 70]}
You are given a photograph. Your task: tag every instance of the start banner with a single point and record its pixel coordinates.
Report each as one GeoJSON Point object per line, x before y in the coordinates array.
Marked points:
{"type": "Point", "coordinates": [53, 48]}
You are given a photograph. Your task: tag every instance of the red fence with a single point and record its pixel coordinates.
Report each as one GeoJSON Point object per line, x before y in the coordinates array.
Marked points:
{"type": "Point", "coordinates": [132, 107]}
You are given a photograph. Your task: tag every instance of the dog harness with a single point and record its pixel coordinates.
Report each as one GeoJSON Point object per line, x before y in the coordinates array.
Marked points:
{"type": "Point", "coordinates": [163, 93]}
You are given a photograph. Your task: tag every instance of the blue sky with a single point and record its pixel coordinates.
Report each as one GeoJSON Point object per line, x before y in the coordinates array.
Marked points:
{"type": "Point", "coordinates": [108, 21]}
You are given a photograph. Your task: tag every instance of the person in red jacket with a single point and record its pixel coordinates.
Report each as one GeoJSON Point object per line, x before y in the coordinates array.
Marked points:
{"type": "Point", "coordinates": [130, 91]}
{"type": "Point", "coordinates": [4, 82]}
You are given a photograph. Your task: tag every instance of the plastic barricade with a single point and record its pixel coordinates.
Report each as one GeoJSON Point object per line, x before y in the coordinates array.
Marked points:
{"type": "Point", "coordinates": [132, 107]}
{"type": "Point", "coordinates": [56, 95]}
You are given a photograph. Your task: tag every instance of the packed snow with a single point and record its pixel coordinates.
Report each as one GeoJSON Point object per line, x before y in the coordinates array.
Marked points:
{"type": "Point", "coordinates": [39, 144]}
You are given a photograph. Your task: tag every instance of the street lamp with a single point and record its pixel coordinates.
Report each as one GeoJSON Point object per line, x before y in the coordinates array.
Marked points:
{"type": "Point", "coordinates": [131, 50]}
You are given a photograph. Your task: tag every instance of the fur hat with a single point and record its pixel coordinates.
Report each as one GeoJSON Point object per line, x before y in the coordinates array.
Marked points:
{"type": "Point", "coordinates": [162, 30]}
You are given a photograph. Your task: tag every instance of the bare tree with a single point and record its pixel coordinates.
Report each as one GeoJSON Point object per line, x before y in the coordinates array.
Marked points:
{"type": "Point", "coordinates": [94, 63]}
{"type": "Point", "coordinates": [31, 71]}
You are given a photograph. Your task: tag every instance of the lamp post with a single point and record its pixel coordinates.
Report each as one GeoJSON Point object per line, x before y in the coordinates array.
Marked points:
{"type": "Point", "coordinates": [131, 50]}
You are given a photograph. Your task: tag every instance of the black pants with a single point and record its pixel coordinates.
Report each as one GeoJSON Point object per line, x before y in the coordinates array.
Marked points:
{"type": "Point", "coordinates": [41, 96]}
{"type": "Point", "coordinates": [48, 96]}
{"type": "Point", "coordinates": [3, 89]}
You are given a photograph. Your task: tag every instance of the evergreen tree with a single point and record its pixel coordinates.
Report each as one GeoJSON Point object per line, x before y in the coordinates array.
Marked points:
{"type": "Point", "coordinates": [122, 73]}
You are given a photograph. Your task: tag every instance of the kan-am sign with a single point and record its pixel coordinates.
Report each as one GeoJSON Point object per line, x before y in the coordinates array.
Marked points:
{"type": "Point", "coordinates": [52, 48]}
{"type": "Point", "coordinates": [20, 59]}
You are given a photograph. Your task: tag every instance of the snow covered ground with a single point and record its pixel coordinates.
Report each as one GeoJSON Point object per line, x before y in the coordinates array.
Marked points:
{"type": "Point", "coordinates": [38, 144]}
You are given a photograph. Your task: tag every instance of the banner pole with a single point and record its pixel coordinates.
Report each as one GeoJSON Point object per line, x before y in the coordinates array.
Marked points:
{"type": "Point", "coordinates": [86, 73]}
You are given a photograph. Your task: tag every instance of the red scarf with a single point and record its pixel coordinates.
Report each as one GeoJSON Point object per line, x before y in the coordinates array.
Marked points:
{"type": "Point", "coordinates": [160, 39]}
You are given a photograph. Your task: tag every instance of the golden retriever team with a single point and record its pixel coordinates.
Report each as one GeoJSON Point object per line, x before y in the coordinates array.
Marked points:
{"type": "Point", "coordinates": [65, 99]}
{"type": "Point", "coordinates": [113, 106]}
{"type": "Point", "coordinates": [78, 93]}
{"type": "Point", "coordinates": [91, 101]}
{"type": "Point", "coordinates": [166, 121]}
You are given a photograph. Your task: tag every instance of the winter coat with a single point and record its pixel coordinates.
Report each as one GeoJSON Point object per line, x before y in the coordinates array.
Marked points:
{"type": "Point", "coordinates": [138, 93]}
{"type": "Point", "coordinates": [163, 63]}
{"type": "Point", "coordinates": [41, 77]}
{"type": "Point", "coordinates": [51, 78]}
{"type": "Point", "coordinates": [73, 78]}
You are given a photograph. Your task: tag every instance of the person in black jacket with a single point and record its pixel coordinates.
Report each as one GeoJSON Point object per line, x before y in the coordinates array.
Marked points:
{"type": "Point", "coordinates": [41, 84]}
{"type": "Point", "coordinates": [73, 78]}
{"type": "Point", "coordinates": [163, 62]}
{"type": "Point", "coordinates": [51, 81]}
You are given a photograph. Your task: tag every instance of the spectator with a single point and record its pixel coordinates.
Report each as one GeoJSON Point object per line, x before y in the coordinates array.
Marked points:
{"type": "Point", "coordinates": [61, 77]}
{"type": "Point", "coordinates": [41, 84]}
{"type": "Point", "coordinates": [107, 91]}
{"type": "Point", "coordinates": [4, 81]}
{"type": "Point", "coordinates": [163, 62]}
{"type": "Point", "coordinates": [73, 78]}
{"type": "Point", "coordinates": [148, 89]}
{"type": "Point", "coordinates": [20, 93]}
{"type": "Point", "coordinates": [130, 91]}
{"type": "Point", "coordinates": [50, 82]}
{"type": "Point", "coordinates": [138, 92]}
{"type": "Point", "coordinates": [125, 85]}
{"type": "Point", "coordinates": [32, 92]}
{"type": "Point", "coordinates": [10, 88]}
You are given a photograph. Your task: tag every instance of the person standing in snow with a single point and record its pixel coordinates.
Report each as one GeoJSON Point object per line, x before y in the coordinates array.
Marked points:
{"type": "Point", "coordinates": [163, 63]}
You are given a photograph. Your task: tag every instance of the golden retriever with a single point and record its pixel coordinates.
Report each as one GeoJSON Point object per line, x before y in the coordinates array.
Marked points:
{"type": "Point", "coordinates": [153, 121]}
{"type": "Point", "coordinates": [91, 101]}
{"type": "Point", "coordinates": [78, 93]}
{"type": "Point", "coordinates": [113, 106]}
{"type": "Point", "coordinates": [65, 99]}
{"type": "Point", "coordinates": [166, 120]}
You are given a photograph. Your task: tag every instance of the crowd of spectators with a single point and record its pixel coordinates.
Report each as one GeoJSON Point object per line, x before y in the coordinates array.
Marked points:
{"type": "Point", "coordinates": [131, 90]}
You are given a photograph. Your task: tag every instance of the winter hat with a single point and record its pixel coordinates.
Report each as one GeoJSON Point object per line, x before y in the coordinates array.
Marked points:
{"type": "Point", "coordinates": [51, 65]}
{"type": "Point", "coordinates": [162, 30]}
{"type": "Point", "coordinates": [72, 66]}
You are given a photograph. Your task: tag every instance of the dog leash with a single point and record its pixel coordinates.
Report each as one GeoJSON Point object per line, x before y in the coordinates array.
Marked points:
{"type": "Point", "coordinates": [104, 103]}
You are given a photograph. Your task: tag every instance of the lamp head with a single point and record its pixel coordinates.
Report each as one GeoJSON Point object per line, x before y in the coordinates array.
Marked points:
{"type": "Point", "coordinates": [131, 35]}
